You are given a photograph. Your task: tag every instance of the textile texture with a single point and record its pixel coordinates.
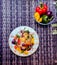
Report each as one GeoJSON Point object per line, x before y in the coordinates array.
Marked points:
{"type": "Point", "coordinates": [15, 13]}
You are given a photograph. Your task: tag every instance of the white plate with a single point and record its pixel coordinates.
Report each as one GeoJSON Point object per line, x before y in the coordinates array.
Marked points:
{"type": "Point", "coordinates": [16, 31]}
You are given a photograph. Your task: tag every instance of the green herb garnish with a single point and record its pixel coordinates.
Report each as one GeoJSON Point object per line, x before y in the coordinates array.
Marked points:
{"type": "Point", "coordinates": [22, 51]}
{"type": "Point", "coordinates": [27, 36]}
{"type": "Point", "coordinates": [32, 36]}
{"type": "Point", "coordinates": [27, 31]}
{"type": "Point", "coordinates": [17, 35]}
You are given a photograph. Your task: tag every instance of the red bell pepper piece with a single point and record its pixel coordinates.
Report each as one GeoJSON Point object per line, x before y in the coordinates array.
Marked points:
{"type": "Point", "coordinates": [42, 9]}
{"type": "Point", "coordinates": [19, 41]}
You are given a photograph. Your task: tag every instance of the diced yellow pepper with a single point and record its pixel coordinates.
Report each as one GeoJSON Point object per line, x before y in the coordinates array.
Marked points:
{"type": "Point", "coordinates": [18, 49]}
{"type": "Point", "coordinates": [22, 39]}
{"type": "Point", "coordinates": [26, 52]}
{"type": "Point", "coordinates": [32, 41]}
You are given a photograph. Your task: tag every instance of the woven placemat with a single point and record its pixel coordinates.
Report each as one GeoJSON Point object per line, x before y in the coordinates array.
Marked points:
{"type": "Point", "coordinates": [14, 13]}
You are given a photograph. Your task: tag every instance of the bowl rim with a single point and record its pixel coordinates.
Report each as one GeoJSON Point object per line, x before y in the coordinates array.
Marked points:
{"type": "Point", "coordinates": [48, 22]}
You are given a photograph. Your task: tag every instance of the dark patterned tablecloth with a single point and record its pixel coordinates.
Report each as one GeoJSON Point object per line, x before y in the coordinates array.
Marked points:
{"type": "Point", "coordinates": [14, 13]}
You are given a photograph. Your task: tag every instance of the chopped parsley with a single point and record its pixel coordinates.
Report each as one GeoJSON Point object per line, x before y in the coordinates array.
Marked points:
{"type": "Point", "coordinates": [27, 31]}
{"type": "Point", "coordinates": [17, 36]}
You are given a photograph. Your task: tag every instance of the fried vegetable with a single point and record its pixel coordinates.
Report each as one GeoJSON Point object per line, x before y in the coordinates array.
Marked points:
{"type": "Point", "coordinates": [19, 41]}
{"type": "Point", "coordinates": [25, 35]}
{"type": "Point", "coordinates": [17, 36]}
{"type": "Point", "coordinates": [26, 52]}
{"type": "Point", "coordinates": [29, 48]}
{"type": "Point", "coordinates": [14, 41]}
{"type": "Point", "coordinates": [22, 51]}
{"type": "Point", "coordinates": [23, 43]}
{"type": "Point", "coordinates": [17, 48]}
{"type": "Point", "coordinates": [27, 31]}
{"type": "Point", "coordinates": [22, 39]}
{"type": "Point", "coordinates": [28, 43]}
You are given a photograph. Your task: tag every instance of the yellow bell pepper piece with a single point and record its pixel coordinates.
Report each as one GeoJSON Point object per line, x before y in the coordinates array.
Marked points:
{"type": "Point", "coordinates": [26, 52]}
{"type": "Point", "coordinates": [36, 16]}
{"type": "Point", "coordinates": [18, 49]}
{"type": "Point", "coordinates": [32, 41]}
{"type": "Point", "coordinates": [22, 39]}
{"type": "Point", "coordinates": [40, 20]}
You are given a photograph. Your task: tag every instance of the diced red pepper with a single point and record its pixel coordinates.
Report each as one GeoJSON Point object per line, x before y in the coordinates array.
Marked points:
{"type": "Point", "coordinates": [19, 41]}
{"type": "Point", "coordinates": [15, 47]}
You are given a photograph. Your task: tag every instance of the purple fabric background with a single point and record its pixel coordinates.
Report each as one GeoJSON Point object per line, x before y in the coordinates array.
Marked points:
{"type": "Point", "coordinates": [14, 13]}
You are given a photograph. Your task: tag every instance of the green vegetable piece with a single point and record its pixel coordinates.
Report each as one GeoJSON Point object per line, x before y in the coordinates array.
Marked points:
{"type": "Point", "coordinates": [17, 36]}
{"type": "Point", "coordinates": [32, 36]}
{"type": "Point", "coordinates": [28, 48]}
{"type": "Point", "coordinates": [22, 51]}
{"type": "Point", "coordinates": [45, 19]}
{"type": "Point", "coordinates": [27, 36]}
{"type": "Point", "coordinates": [50, 18]}
{"type": "Point", "coordinates": [27, 31]}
